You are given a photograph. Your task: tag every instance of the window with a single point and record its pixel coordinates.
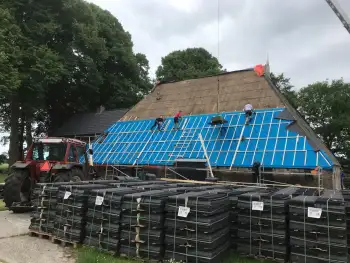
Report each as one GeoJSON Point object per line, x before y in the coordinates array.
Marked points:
{"type": "Point", "coordinates": [72, 157]}
{"type": "Point", "coordinates": [81, 154]}
{"type": "Point", "coordinates": [49, 152]}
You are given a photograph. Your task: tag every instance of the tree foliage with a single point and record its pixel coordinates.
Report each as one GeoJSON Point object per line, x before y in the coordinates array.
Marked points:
{"type": "Point", "coordinates": [187, 64]}
{"type": "Point", "coordinates": [61, 57]}
{"type": "Point", "coordinates": [283, 84]}
{"type": "Point", "coordinates": [326, 106]}
{"type": "Point", "coordinates": [3, 158]}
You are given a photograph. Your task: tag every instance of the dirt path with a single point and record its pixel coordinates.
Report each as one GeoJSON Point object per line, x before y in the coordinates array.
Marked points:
{"type": "Point", "coordinates": [17, 247]}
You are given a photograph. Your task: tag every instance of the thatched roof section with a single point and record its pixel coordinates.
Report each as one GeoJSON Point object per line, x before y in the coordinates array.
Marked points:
{"type": "Point", "coordinates": [199, 96]}
{"type": "Point", "coordinates": [236, 88]}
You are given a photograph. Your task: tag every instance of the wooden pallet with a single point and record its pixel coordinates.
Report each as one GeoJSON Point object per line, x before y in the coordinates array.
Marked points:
{"type": "Point", "coordinates": [40, 234]}
{"type": "Point", "coordinates": [63, 242]}
{"type": "Point", "coordinates": [54, 239]}
{"type": "Point", "coordinates": [125, 256]}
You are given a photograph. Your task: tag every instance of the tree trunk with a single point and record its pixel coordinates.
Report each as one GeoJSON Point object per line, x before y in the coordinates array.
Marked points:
{"type": "Point", "coordinates": [29, 136]}
{"type": "Point", "coordinates": [15, 112]}
{"type": "Point", "coordinates": [21, 136]}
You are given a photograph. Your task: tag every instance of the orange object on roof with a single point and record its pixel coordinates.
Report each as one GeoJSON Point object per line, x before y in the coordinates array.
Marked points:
{"type": "Point", "coordinates": [45, 167]}
{"type": "Point", "coordinates": [259, 70]}
{"type": "Point", "coordinates": [315, 171]}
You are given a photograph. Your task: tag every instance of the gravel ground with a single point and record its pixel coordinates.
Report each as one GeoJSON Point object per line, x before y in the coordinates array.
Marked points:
{"type": "Point", "coordinates": [28, 249]}
{"type": "Point", "coordinates": [17, 247]}
{"type": "Point", "coordinates": [13, 224]}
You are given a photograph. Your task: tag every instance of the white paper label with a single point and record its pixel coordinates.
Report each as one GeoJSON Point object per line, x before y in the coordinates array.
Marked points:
{"type": "Point", "coordinates": [314, 212]}
{"type": "Point", "coordinates": [183, 211]}
{"type": "Point", "coordinates": [258, 206]}
{"type": "Point", "coordinates": [67, 194]}
{"type": "Point", "coordinates": [99, 200]}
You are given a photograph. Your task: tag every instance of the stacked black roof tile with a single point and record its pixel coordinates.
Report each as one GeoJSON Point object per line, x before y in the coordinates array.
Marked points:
{"type": "Point", "coordinates": [346, 195]}
{"type": "Point", "coordinates": [103, 218]}
{"type": "Point", "coordinates": [71, 209]}
{"type": "Point", "coordinates": [136, 184]}
{"type": "Point", "coordinates": [142, 225]}
{"type": "Point", "coordinates": [233, 215]}
{"type": "Point", "coordinates": [44, 200]}
{"type": "Point", "coordinates": [318, 228]}
{"type": "Point", "coordinates": [200, 231]}
{"type": "Point", "coordinates": [250, 207]}
{"type": "Point", "coordinates": [274, 223]}
{"type": "Point", "coordinates": [101, 181]}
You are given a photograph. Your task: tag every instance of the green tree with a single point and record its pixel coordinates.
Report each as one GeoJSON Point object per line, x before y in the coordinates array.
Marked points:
{"type": "Point", "coordinates": [3, 158]}
{"type": "Point", "coordinates": [326, 106]}
{"type": "Point", "coordinates": [283, 84]}
{"type": "Point", "coordinates": [187, 64]}
{"type": "Point", "coordinates": [62, 57]}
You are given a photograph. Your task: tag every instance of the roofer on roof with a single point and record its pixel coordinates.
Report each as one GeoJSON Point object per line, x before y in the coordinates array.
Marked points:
{"type": "Point", "coordinates": [177, 117]}
{"type": "Point", "coordinates": [158, 122]}
{"type": "Point", "coordinates": [248, 109]}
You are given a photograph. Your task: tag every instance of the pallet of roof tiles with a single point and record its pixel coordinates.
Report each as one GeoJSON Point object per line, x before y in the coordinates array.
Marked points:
{"type": "Point", "coordinates": [150, 187]}
{"type": "Point", "coordinates": [318, 228]}
{"type": "Point", "coordinates": [71, 209]}
{"type": "Point", "coordinates": [142, 227]}
{"type": "Point", "coordinates": [197, 227]}
{"type": "Point", "coordinates": [233, 215]}
{"type": "Point", "coordinates": [126, 178]}
{"type": "Point", "coordinates": [103, 218]}
{"type": "Point", "coordinates": [274, 223]}
{"type": "Point", "coordinates": [44, 199]}
{"type": "Point", "coordinates": [346, 195]}
{"type": "Point", "coordinates": [120, 177]}
{"type": "Point", "coordinates": [263, 220]}
{"type": "Point", "coordinates": [176, 184]}
{"type": "Point", "coordinates": [102, 181]}
{"type": "Point", "coordinates": [138, 183]}
{"type": "Point", "coordinates": [250, 207]}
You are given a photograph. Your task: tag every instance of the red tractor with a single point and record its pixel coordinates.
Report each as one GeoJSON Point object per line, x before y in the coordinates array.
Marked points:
{"type": "Point", "coordinates": [47, 160]}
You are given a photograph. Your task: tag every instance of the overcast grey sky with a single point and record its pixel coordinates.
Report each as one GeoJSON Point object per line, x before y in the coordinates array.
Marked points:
{"type": "Point", "coordinates": [304, 38]}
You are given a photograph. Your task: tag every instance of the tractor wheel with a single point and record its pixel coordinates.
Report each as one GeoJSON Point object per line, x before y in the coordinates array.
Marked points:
{"type": "Point", "coordinates": [74, 175]}
{"type": "Point", "coordinates": [17, 189]}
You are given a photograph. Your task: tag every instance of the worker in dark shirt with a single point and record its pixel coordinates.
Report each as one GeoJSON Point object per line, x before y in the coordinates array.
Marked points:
{"type": "Point", "coordinates": [177, 117]}
{"type": "Point", "coordinates": [158, 122]}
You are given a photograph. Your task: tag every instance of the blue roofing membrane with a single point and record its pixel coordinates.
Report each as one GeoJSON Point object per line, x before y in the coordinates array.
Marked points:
{"type": "Point", "coordinates": [266, 140]}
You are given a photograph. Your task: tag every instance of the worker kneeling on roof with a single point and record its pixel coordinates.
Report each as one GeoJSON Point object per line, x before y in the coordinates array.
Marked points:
{"type": "Point", "coordinates": [158, 122]}
{"type": "Point", "coordinates": [248, 109]}
{"type": "Point", "coordinates": [177, 117]}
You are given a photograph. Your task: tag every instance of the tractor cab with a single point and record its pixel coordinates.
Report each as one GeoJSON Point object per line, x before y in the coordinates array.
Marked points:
{"type": "Point", "coordinates": [46, 156]}
{"type": "Point", "coordinates": [47, 160]}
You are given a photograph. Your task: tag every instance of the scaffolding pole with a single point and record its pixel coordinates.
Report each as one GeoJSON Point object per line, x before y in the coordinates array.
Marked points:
{"type": "Point", "coordinates": [177, 173]}
{"type": "Point", "coordinates": [206, 155]}
{"type": "Point", "coordinates": [115, 168]}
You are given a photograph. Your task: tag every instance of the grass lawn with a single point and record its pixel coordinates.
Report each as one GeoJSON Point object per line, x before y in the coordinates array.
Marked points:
{"type": "Point", "coordinates": [2, 207]}
{"type": "Point", "coordinates": [89, 255]}
{"type": "Point", "coordinates": [2, 178]}
{"type": "Point", "coordinates": [4, 167]}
